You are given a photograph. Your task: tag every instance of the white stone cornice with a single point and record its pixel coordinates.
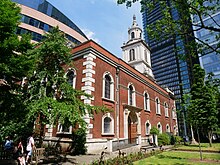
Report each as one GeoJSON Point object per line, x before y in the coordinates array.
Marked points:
{"type": "Point", "coordinates": [89, 56]}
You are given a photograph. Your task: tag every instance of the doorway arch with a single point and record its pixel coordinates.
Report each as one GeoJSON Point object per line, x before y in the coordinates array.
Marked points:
{"type": "Point", "coordinates": [132, 127]}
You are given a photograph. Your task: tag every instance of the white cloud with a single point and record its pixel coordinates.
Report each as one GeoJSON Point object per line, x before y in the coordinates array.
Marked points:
{"type": "Point", "coordinates": [91, 35]}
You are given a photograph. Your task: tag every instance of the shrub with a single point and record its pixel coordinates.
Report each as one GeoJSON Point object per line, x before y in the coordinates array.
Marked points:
{"type": "Point", "coordinates": [128, 159]}
{"type": "Point", "coordinates": [154, 131]}
{"type": "Point", "coordinates": [163, 139]}
{"type": "Point", "coordinates": [178, 139]}
{"type": "Point", "coordinates": [79, 139]}
{"type": "Point", "coordinates": [174, 140]}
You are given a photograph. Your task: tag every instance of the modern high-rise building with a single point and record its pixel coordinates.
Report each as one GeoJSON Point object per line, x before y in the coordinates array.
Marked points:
{"type": "Point", "coordinates": [209, 60]}
{"type": "Point", "coordinates": [38, 16]}
{"type": "Point", "coordinates": [168, 69]}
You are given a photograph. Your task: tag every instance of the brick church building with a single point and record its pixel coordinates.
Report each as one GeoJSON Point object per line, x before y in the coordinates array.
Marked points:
{"type": "Point", "coordinates": [127, 86]}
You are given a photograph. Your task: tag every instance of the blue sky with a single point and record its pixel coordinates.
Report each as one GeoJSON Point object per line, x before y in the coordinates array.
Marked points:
{"type": "Point", "coordinates": [101, 20]}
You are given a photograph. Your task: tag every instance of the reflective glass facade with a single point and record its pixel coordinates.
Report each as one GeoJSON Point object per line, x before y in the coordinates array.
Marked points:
{"type": "Point", "coordinates": [168, 69]}
{"type": "Point", "coordinates": [45, 7]}
{"type": "Point", "coordinates": [210, 60]}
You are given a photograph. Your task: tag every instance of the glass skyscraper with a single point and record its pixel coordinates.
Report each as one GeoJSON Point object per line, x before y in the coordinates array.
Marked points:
{"type": "Point", "coordinates": [210, 60]}
{"type": "Point", "coordinates": [169, 70]}
{"type": "Point", "coordinates": [39, 16]}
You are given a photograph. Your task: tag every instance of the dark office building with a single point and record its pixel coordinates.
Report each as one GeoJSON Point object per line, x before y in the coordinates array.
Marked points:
{"type": "Point", "coordinates": [168, 69]}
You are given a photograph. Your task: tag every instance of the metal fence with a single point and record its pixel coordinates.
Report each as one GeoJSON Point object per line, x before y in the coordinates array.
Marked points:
{"type": "Point", "coordinates": [123, 143]}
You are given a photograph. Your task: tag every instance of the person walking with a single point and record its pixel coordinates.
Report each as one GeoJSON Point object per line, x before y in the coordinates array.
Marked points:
{"type": "Point", "coordinates": [19, 153]}
{"type": "Point", "coordinates": [30, 147]}
{"type": "Point", "coordinates": [8, 146]}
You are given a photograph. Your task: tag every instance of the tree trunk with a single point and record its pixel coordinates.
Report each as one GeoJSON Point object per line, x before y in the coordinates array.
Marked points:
{"type": "Point", "coordinates": [41, 130]}
{"type": "Point", "coordinates": [193, 141]}
{"type": "Point", "coordinates": [200, 151]}
{"type": "Point", "coordinates": [210, 138]}
{"type": "Point", "coordinates": [154, 140]}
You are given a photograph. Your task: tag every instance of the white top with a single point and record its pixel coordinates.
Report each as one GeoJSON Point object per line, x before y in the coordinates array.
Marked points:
{"type": "Point", "coordinates": [30, 144]}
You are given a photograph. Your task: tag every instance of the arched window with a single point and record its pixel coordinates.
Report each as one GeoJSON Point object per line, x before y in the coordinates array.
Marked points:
{"type": "Point", "coordinates": [174, 113]}
{"type": "Point", "coordinates": [132, 35]}
{"type": "Point", "coordinates": [159, 126]}
{"type": "Point", "coordinates": [108, 86]}
{"type": "Point", "coordinates": [148, 127]}
{"type": "Point", "coordinates": [157, 106]}
{"type": "Point", "coordinates": [64, 128]}
{"type": "Point", "coordinates": [107, 124]}
{"type": "Point", "coordinates": [167, 128]}
{"type": "Point", "coordinates": [71, 77]}
{"type": "Point", "coordinates": [166, 109]}
{"type": "Point", "coordinates": [146, 102]}
{"type": "Point", "coordinates": [132, 55]}
{"type": "Point", "coordinates": [131, 95]}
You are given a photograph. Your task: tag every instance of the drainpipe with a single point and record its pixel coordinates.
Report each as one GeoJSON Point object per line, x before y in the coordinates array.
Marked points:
{"type": "Point", "coordinates": [117, 102]}
{"type": "Point", "coordinates": [170, 109]}
{"type": "Point", "coordinates": [184, 125]}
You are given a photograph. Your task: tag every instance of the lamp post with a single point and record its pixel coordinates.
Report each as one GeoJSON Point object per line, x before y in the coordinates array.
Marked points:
{"type": "Point", "coordinates": [186, 138]}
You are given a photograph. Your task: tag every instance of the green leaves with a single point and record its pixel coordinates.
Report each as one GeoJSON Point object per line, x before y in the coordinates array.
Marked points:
{"type": "Point", "coordinates": [181, 19]}
{"type": "Point", "coordinates": [202, 109]}
{"type": "Point", "coordinates": [14, 65]}
{"type": "Point", "coordinates": [154, 131]}
{"type": "Point", "coordinates": [51, 98]}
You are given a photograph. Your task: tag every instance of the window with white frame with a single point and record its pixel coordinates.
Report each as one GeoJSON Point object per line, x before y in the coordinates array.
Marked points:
{"type": "Point", "coordinates": [108, 86]}
{"type": "Point", "coordinates": [146, 102]}
{"type": "Point", "coordinates": [107, 125]}
{"type": "Point", "coordinates": [71, 77]}
{"type": "Point", "coordinates": [174, 113]}
{"type": "Point", "coordinates": [166, 109]}
{"type": "Point", "coordinates": [159, 126]}
{"type": "Point", "coordinates": [64, 128]}
{"type": "Point", "coordinates": [132, 55]}
{"type": "Point", "coordinates": [131, 95]}
{"type": "Point", "coordinates": [148, 127]}
{"type": "Point", "coordinates": [167, 128]}
{"type": "Point", "coordinates": [157, 106]}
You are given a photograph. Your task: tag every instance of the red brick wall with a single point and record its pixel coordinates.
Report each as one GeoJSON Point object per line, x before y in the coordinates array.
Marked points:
{"type": "Point", "coordinates": [124, 79]}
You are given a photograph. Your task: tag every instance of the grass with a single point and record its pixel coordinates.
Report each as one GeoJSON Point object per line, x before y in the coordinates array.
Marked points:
{"type": "Point", "coordinates": [204, 146]}
{"type": "Point", "coordinates": [180, 158]}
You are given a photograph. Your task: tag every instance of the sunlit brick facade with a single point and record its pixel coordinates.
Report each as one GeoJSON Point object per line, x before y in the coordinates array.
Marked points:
{"type": "Point", "coordinates": [136, 100]}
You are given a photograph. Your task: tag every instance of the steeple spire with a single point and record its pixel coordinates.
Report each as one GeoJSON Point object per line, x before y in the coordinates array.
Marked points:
{"type": "Point", "coordinates": [134, 24]}
{"type": "Point", "coordinates": [136, 52]}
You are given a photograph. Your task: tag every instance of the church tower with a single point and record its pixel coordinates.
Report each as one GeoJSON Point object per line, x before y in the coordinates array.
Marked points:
{"type": "Point", "coordinates": [136, 52]}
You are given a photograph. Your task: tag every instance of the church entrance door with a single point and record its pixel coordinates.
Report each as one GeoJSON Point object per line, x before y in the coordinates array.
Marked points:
{"type": "Point", "coordinates": [132, 127]}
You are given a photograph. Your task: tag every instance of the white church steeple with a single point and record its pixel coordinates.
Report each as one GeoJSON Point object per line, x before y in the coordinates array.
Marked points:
{"type": "Point", "coordinates": [134, 32]}
{"type": "Point", "coordinates": [136, 52]}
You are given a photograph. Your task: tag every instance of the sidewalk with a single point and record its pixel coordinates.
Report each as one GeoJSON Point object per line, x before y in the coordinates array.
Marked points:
{"type": "Point", "coordinates": [87, 159]}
